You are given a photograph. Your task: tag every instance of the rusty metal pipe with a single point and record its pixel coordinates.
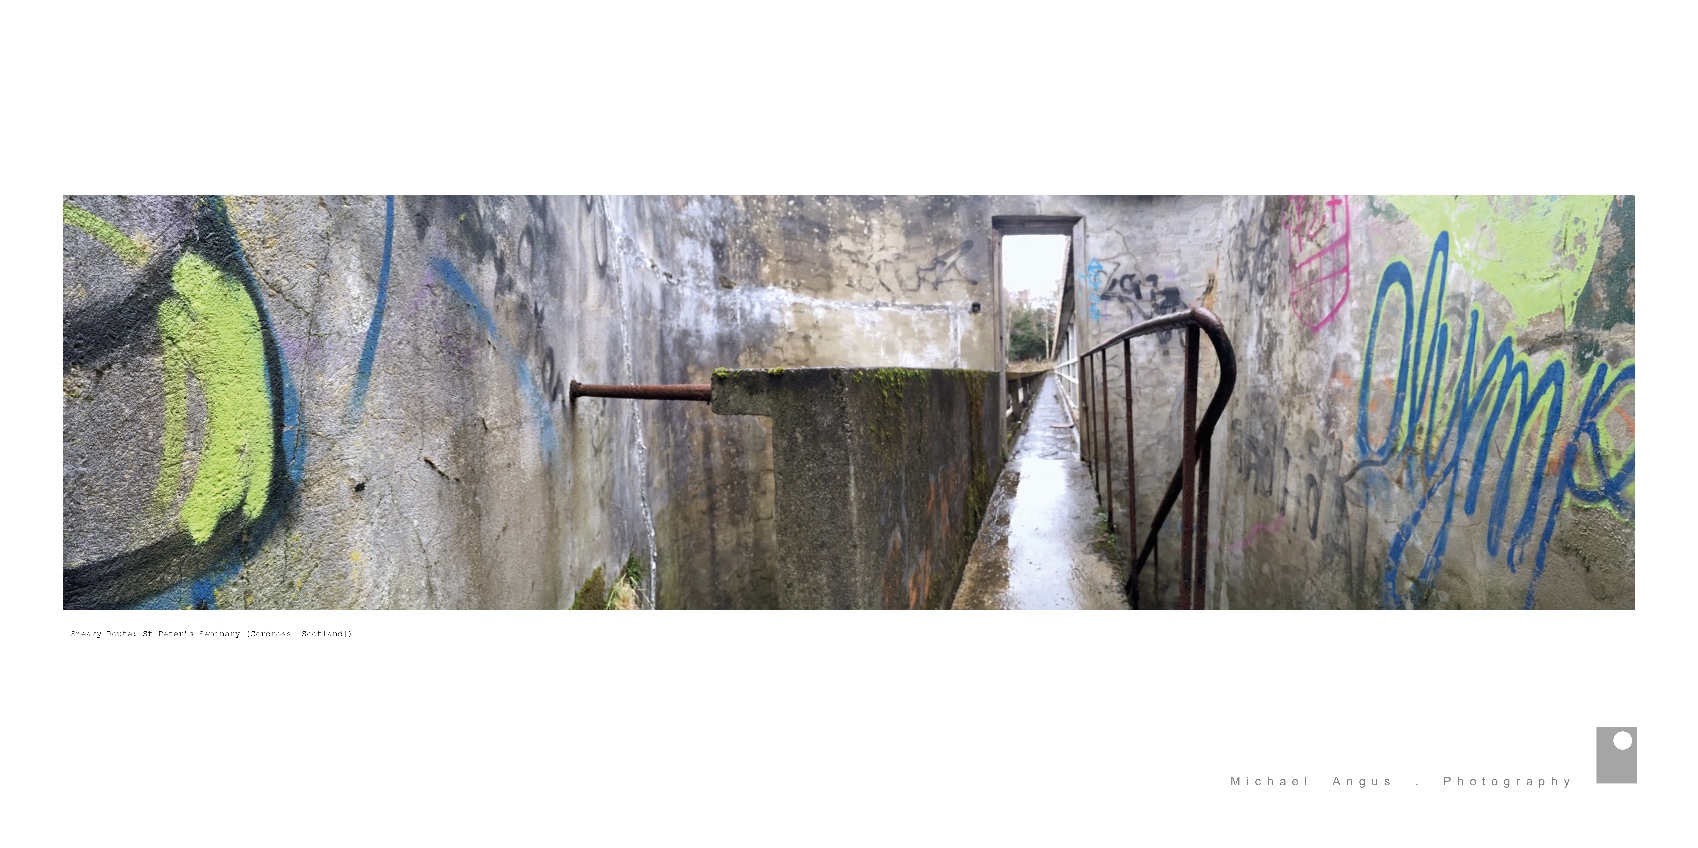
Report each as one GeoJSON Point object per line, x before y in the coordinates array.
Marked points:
{"type": "Point", "coordinates": [688, 391]}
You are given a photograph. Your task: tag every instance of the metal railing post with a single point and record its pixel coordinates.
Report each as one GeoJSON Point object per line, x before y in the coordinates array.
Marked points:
{"type": "Point", "coordinates": [1131, 463]}
{"type": "Point", "coordinates": [1108, 449]}
{"type": "Point", "coordinates": [1188, 503]}
{"type": "Point", "coordinates": [1088, 454]}
{"type": "Point", "coordinates": [1189, 486]}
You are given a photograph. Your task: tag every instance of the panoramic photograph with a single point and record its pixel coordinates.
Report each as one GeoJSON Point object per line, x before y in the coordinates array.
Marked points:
{"type": "Point", "coordinates": [848, 402]}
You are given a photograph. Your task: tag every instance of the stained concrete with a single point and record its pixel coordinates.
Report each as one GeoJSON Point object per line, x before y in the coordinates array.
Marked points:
{"type": "Point", "coordinates": [1037, 548]}
{"type": "Point", "coordinates": [412, 360]}
{"type": "Point", "coordinates": [1343, 475]}
{"type": "Point", "coordinates": [404, 365]}
{"type": "Point", "coordinates": [882, 476]}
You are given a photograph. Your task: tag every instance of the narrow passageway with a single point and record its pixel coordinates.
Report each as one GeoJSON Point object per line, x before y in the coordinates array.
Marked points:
{"type": "Point", "coordinates": [1034, 549]}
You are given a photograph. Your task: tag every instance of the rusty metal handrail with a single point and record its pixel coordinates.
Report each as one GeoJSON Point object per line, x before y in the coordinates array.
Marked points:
{"type": "Point", "coordinates": [1190, 481]}
{"type": "Point", "coordinates": [686, 391]}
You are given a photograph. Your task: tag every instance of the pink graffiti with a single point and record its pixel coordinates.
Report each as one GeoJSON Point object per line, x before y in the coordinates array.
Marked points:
{"type": "Point", "coordinates": [1243, 543]}
{"type": "Point", "coordinates": [1318, 235]}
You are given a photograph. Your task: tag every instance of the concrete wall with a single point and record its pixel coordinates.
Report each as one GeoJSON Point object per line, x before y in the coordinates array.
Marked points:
{"type": "Point", "coordinates": [1435, 394]}
{"type": "Point", "coordinates": [882, 478]}
{"type": "Point", "coordinates": [342, 402]}
{"type": "Point", "coordinates": [336, 402]}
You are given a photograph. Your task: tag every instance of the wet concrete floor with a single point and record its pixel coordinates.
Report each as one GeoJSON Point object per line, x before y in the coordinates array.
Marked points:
{"type": "Point", "coordinates": [1034, 549]}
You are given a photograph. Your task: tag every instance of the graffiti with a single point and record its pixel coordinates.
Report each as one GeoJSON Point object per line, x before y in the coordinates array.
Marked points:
{"type": "Point", "coordinates": [1318, 237]}
{"type": "Point", "coordinates": [1254, 250]}
{"type": "Point", "coordinates": [528, 386]}
{"type": "Point", "coordinates": [1093, 277]}
{"type": "Point", "coordinates": [1270, 528]}
{"type": "Point", "coordinates": [1125, 287]}
{"type": "Point", "coordinates": [1575, 462]}
{"type": "Point", "coordinates": [1266, 462]}
{"type": "Point", "coordinates": [946, 268]}
{"type": "Point", "coordinates": [219, 353]}
{"type": "Point", "coordinates": [357, 402]}
{"type": "Point", "coordinates": [1536, 253]}
{"type": "Point", "coordinates": [180, 305]}
{"type": "Point", "coordinates": [1127, 290]}
{"type": "Point", "coordinates": [1607, 298]}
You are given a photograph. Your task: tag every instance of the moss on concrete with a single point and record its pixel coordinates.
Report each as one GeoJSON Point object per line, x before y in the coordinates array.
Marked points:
{"type": "Point", "coordinates": [596, 594]}
{"type": "Point", "coordinates": [593, 594]}
{"type": "Point", "coordinates": [889, 418]}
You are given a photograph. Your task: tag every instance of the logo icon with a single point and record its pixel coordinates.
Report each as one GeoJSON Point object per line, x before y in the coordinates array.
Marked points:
{"type": "Point", "coordinates": [1618, 755]}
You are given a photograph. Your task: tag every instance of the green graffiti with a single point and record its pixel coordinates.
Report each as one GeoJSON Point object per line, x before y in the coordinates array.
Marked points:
{"type": "Point", "coordinates": [121, 244]}
{"type": "Point", "coordinates": [1535, 251]}
{"type": "Point", "coordinates": [210, 330]}
{"type": "Point", "coordinates": [173, 441]}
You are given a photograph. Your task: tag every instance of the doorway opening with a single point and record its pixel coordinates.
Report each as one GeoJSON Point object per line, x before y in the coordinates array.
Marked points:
{"type": "Point", "coordinates": [1034, 270]}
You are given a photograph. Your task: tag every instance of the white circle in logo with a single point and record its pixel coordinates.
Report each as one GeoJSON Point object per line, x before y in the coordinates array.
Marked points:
{"type": "Point", "coordinates": [1623, 741]}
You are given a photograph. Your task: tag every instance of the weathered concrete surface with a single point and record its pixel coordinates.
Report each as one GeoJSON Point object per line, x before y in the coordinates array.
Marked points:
{"type": "Point", "coordinates": [331, 402]}
{"type": "Point", "coordinates": [1363, 461]}
{"type": "Point", "coordinates": [1386, 478]}
{"type": "Point", "coordinates": [1038, 547]}
{"type": "Point", "coordinates": [882, 476]}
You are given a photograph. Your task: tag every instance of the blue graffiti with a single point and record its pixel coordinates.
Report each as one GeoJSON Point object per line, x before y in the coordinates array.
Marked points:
{"type": "Point", "coordinates": [1422, 361]}
{"type": "Point", "coordinates": [198, 592]}
{"type": "Point", "coordinates": [527, 386]}
{"type": "Point", "coordinates": [1094, 276]}
{"type": "Point", "coordinates": [357, 402]}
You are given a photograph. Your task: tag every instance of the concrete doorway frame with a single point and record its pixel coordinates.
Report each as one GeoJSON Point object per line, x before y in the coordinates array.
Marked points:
{"type": "Point", "coordinates": [1072, 226]}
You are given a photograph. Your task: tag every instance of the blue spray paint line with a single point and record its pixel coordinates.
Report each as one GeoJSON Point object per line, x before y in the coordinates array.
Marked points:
{"type": "Point", "coordinates": [293, 437]}
{"type": "Point", "coordinates": [527, 385]}
{"type": "Point", "coordinates": [196, 592]}
{"type": "Point", "coordinates": [1477, 417]}
{"type": "Point", "coordinates": [357, 403]}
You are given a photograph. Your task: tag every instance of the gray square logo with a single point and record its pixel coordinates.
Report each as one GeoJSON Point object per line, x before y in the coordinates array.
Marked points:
{"type": "Point", "coordinates": [1618, 755]}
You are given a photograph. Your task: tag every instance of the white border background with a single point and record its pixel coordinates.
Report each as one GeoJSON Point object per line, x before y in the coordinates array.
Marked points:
{"type": "Point", "coordinates": [842, 728]}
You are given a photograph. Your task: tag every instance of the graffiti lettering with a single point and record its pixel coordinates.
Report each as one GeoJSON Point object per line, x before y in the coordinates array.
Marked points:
{"type": "Point", "coordinates": [1318, 234]}
{"type": "Point", "coordinates": [1254, 250]}
{"type": "Point", "coordinates": [1126, 289]}
{"type": "Point", "coordinates": [1575, 462]}
{"type": "Point", "coordinates": [946, 267]}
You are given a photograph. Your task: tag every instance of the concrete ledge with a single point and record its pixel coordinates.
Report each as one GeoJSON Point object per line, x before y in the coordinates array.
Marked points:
{"type": "Point", "coordinates": [881, 478]}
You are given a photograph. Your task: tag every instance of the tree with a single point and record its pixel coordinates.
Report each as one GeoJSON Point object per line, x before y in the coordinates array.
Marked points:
{"type": "Point", "coordinates": [1028, 333]}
